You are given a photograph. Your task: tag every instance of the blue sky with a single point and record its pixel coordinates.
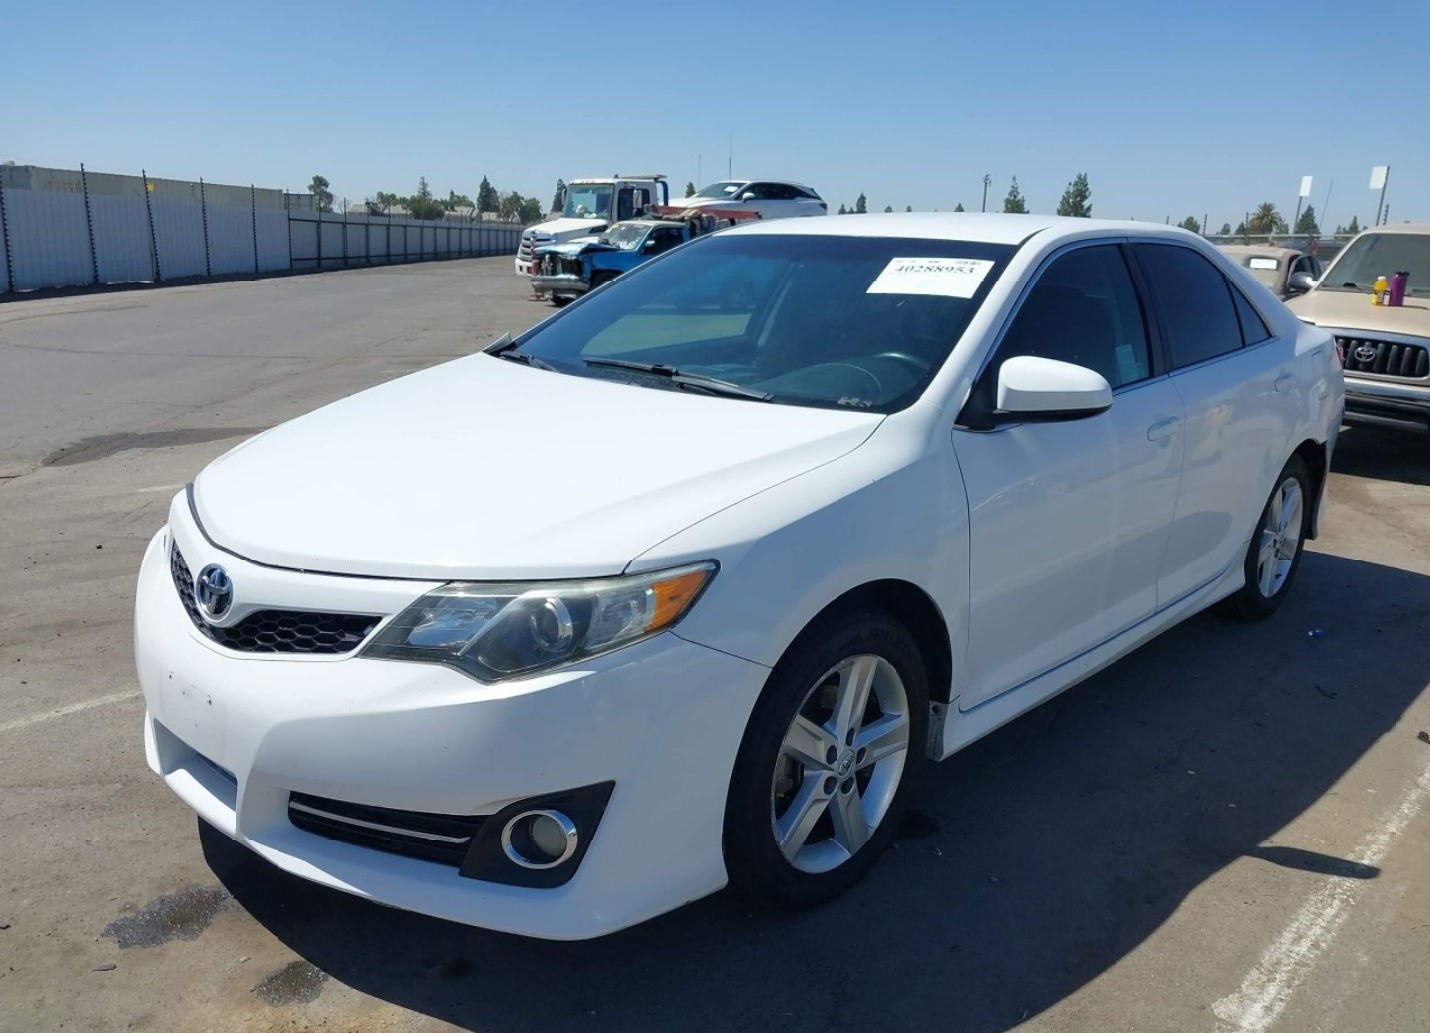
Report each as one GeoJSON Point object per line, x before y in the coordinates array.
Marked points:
{"type": "Point", "coordinates": [1171, 109]}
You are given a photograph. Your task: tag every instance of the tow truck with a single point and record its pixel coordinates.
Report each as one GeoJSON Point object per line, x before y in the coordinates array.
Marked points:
{"type": "Point", "coordinates": [567, 271]}
{"type": "Point", "coordinates": [591, 206]}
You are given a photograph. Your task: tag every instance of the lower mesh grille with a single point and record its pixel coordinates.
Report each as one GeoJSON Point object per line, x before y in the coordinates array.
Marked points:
{"type": "Point", "coordinates": [442, 838]}
{"type": "Point", "coordinates": [275, 631]}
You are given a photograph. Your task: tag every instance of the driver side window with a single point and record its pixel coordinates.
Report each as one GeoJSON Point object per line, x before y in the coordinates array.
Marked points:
{"type": "Point", "coordinates": [1084, 309]}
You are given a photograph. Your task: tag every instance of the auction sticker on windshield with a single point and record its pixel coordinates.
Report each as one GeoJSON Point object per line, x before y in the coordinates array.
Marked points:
{"type": "Point", "coordinates": [949, 277]}
{"type": "Point", "coordinates": [1264, 263]}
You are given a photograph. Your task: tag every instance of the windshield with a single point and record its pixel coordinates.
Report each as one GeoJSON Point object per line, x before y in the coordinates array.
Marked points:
{"type": "Point", "coordinates": [1265, 269]}
{"type": "Point", "coordinates": [1382, 254]}
{"type": "Point", "coordinates": [859, 323]}
{"type": "Point", "coordinates": [721, 190]}
{"type": "Point", "coordinates": [588, 201]}
{"type": "Point", "coordinates": [626, 235]}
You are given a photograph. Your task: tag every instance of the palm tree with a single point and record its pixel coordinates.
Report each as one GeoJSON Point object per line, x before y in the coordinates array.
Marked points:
{"type": "Point", "coordinates": [1265, 219]}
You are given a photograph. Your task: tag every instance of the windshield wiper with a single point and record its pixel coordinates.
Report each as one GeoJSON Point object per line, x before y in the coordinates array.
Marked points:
{"type": "Point", "coordinates": [695, 381]}
{"type": "Point", "coordinates": [526, 359]}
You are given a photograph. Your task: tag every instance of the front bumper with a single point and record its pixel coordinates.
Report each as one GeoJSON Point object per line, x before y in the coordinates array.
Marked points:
{"type": "Point", "coordinates": [564, 284]}
{"type": "Point", "coordinates": [1387, 403]}
{"type": "Point", "coordinates": [235, 734]}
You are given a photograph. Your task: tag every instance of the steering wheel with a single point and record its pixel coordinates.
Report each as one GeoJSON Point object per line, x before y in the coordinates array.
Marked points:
{"type": "Point", "coordinates": [920, 366]}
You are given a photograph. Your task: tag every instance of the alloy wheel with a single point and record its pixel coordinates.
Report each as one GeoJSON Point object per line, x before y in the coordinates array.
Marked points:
{"type": "Point", "coordinates": [1280, 537]}
{"type": "Point", "coordinates": [840, 763]}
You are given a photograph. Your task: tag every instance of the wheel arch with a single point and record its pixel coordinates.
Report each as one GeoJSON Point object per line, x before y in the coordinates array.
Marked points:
{"type": "Point", "coordinates": [1313, 454]}
{"type": "Point", "coordinates": [914, 608]}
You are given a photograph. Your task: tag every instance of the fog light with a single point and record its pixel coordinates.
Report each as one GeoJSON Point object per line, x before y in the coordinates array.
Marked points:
{"type": "Point", "coordinates": [539, 839]}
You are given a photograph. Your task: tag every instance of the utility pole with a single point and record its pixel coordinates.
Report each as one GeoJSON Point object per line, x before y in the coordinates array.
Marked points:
{"type": "Point", "coordinates": [986, 180]}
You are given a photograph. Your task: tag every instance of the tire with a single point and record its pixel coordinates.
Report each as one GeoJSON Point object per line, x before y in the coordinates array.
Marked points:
{"type": "Point", "coordinates": [562, 301]}
{"type": "Point", "coordinates": [603, 278]}
{"type": "Point", "coordinates": [1271, 559]}
{"type": "Point", "coordinates": [771, 787]}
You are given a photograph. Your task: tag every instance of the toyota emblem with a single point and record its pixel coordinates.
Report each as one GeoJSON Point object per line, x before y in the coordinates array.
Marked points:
{"type": "Point", "coordinates": [213, 592]}
{"type": "Point", "coordinates": [1366, 353]}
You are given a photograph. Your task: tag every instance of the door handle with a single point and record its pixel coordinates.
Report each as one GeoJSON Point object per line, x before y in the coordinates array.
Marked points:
{"type": "Point", "coordinates": [1284, 381]}
{"type": "Point", "coordinates": [1162, 430]}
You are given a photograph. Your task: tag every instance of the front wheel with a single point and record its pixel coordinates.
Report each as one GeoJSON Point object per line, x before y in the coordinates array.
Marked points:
{"type": "Point", "coordinates": [823, 773]}
{"type": "Point", "coordinates": [1274, 555]}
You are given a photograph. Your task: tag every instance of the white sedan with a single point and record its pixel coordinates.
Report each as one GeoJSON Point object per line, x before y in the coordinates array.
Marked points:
{"type": "Point", "coordinates": [667, 594]}
{"type": "Point", "coordinates": [771, 198]}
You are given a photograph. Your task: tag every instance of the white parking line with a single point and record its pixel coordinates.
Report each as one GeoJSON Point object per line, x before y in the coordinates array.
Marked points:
{"type": "Point", "coordinates": [160, 487]}
{"type": "Point", "coordinates": [73, 708]}
{"type": "Point", "coordinates": [1283, 968]}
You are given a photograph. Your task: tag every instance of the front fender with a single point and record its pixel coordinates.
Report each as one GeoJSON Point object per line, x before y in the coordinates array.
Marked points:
{"type": "Point", "coordinates": [893, 508]}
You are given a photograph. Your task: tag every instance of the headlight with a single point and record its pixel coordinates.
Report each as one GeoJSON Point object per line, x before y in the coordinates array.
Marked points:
{"type": "Point", "coordinates": [501, 630]}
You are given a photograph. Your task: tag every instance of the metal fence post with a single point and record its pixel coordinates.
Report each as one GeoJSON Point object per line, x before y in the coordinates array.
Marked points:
{"type": "Point", "coordinates": [288, 211]}
{"type": "Point", "coordinates": [318, 214]}
{"type": "Point", "coordinates": [5, 235]}
{"type": "Point", "coordinates": [153, 240]}
{"type": "Point", "coordinates": [204, 210]}
{"type": "Point", "coordinates": [253, 210]}
{"type": "Point", "coordinates": [367, 241]}
{"type": "Point", "coordinates": [89, 221]}
{"type": "Point", "coordinates": [345, 233]}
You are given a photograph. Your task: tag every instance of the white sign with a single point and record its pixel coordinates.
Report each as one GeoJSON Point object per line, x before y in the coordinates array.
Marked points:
{"type": "Point", "coordinates": [1264, 263]}
{"type": "Point", "coordinates": [1305, 186]}
{"type": "Point", "coordinates": [947, 277]}
{"type": "Point", "coordinates": [1377, 176]}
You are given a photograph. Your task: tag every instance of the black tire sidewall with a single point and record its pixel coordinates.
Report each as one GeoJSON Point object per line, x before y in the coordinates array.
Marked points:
{"type": "Point", "coordinates": [753, 861]}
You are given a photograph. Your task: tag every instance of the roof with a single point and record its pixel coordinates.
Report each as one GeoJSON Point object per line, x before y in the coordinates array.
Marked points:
{"type": "Point", "coordinates": [1260, 251]}
{"type": "Point", "coordinates": [1401, 227]}
{"type": "Point", "coordinates": [760, 179]}
{"type": "Point", "coordinates": [970, 226]}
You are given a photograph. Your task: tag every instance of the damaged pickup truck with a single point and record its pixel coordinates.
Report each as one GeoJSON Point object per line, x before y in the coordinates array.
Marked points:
{"type": "Point", "coordinates": [567, 271]}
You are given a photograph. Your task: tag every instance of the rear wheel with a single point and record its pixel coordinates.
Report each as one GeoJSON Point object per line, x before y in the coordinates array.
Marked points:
{"type": "Point", "coordinates": [823, 774]}
{"type": "Point", "coordinates": [602, 278]}
{"type": "Point", "coordinates": [1274, 554]}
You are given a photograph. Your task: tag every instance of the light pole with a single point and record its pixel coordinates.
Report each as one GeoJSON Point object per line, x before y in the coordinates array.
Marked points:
{"type": "Point", "coordinates": [986, 180]}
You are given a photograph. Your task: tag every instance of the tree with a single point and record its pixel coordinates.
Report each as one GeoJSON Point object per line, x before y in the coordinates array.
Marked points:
{"type": "Point", "coordinates": [1354, 227]}
{"type": "Point", "coordinates": [1264, 219]}
{"type": "Point", "coordinates": [319, 189]}
{"type": "Point", "coordinates": [487, 199]}
{"type": "Point", "coordinates": [861, 205]}
{"type": "Point", "coordinates": [1077, 198]}
{"type": "Point", "coordinates": [422, 205]}
{"type": "Point", "coordinates": [908, 207]}
{"type": "Point", "coordinates": [530, 211]}
{"type": "Point", "coordinates": [382, 203]}
{"type": "Point", "coordinates": [558, 203]}
{"type": "Point", "coordinates": [888, 208]}
{"type": "Point", "coordinates": [456, 200]}
{"type": "Point", "coordinates": [689, 189]}
{"type": "Point", "coordinates": [1191, 223]}
{"type": "Point", "coordinates": [1014, 201]}
{"type": "Point", "coordinates": [1241, 229]}
{"type": "Point", "coordinates": [842, 211]}
{"type": "Point", "coordinates": [1225, 230]}
{"type": "Point", "coordinates": [958, 207]}
{"type": "Point", "coordinates": [509, 208]}
{"type": "Point", "coordinates": [1306, 224]}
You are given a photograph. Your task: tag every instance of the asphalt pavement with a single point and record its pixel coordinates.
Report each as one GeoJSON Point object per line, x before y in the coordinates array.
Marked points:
{"type": "Point", "coordinates": [1229, 830]}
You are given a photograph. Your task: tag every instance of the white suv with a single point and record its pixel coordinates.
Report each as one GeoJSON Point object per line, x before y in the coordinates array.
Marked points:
{"type": "Point", "coordinates": [772, 198]}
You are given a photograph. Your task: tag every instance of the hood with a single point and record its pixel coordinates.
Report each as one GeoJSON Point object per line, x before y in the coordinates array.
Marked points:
{"type": "Point", "coordinates": [575, 247]}
{"type": "Point", "coordinates": [566, 227]}
{"type": "Point", "coordinates": [1352, 310]}
{"type": "Point", "coordinates": [487, 469]}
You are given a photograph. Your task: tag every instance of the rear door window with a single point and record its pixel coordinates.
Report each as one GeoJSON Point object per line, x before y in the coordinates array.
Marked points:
{"type": "Point", "coordinates": [1199, 320]}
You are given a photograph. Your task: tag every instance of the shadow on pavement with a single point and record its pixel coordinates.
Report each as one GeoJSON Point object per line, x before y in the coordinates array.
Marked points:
{"type": "Point", "coordinates": [1039, 857]}
{"type": "Point", "coordinates": [1376, 453]}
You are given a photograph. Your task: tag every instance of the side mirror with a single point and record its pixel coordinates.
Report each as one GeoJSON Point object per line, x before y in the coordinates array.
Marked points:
{"type": "Point", "coordinates": [650, 244]}
{"type": "Point", "coordinates": [747, 196]}
{"type": "Point", "coordinates": [1300, 283]}
{"type": "Point", "coordinates": [1031, 389]}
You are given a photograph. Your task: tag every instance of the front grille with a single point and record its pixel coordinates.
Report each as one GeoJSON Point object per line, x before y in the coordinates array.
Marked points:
{"type": "Point", "coordinates": [442, 838]}
{"type": "Point", "coordinates": [1386, 358]}
{"type": "Point", "coordinates": [529, 243]}
{"type": "Point", "coordinates": [275, 631]}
